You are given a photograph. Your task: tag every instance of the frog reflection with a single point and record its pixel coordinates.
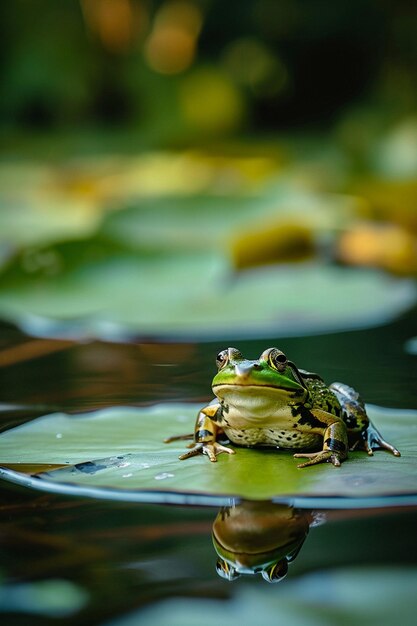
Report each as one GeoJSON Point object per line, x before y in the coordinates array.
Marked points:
{"type": "Point", "coordinates": [259, 537]}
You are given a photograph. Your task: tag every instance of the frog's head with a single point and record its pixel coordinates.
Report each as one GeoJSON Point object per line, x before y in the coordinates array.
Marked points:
{"type": "Point", "coordinates": [272, 376]}
{"type": "Point", "coordinates": [255, 537]}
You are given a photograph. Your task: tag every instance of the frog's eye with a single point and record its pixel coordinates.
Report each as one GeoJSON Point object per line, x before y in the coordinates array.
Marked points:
{"type": "Point", "coordinates": [277, 359]}
{"type": "Point", "coordinates": [276, 572]}
{"type": "Point", "coordinates": [222, 359]}
{"type": "Point", "coordinates": [225, 570]}
{"type": "Point", "coordinates": [225, 356]}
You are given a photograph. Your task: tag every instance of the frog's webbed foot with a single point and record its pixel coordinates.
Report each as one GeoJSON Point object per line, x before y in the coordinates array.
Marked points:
{"type": "Point", "coordinates": [323, 456]}
{"type": "Point", "coordinates": [212, 450]}
{"type": "Point", "coordinates": [372, 440]}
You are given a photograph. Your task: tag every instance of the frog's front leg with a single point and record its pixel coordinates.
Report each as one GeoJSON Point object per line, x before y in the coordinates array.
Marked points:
{"type": "Point", "coordinates": [335, 439]}
{"type": "Point", "coordinates": [205, 434]}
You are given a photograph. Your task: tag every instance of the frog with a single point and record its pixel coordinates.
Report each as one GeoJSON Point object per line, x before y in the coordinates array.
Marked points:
{"type": "Point", "coordinates": [259, 537]}
{"type": "Point", "coordinates": [270, 402]}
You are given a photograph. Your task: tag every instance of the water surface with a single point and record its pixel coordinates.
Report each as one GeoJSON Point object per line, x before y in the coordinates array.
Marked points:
{"type": "Point", "coordinates": [120, 557]}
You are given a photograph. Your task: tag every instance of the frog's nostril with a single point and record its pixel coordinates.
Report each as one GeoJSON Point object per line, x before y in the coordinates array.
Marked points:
{"type": "Point", "coordinates": [243, 369]}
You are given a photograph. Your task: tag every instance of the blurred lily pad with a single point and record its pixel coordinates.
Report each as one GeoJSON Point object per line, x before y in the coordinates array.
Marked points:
{"type": "Point", "coordinates": [104, 285]}
{"type": "Point", "coordinates": [101, 248]}
{"type": "Point", "coordinates": [49, 598]}
{"type": "Point", "coordinates": [411, 345]}
{"type": "Point", "coordinates": [119, 453]}
{"type": "Point", "coordinates": [35, 210]}
{"type": "Point", "coordinates": [209, 221]}
{"type": "Point", "coordinates": [304, 601]}
{"type": "Point", "coordinates": [42, 202]}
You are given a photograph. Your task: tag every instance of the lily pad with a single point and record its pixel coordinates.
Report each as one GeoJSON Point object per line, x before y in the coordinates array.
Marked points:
{"type": "Point", "coordinates": [411, 345]}
{"type": "Point", "coordinates": [119, 453]}
{"type": "Point", "coordinates": [34, 210]}
{"type": "Point", "coordinates": [196, 295]}
{"type": "Point", "coordinates": [160, 266]}
{"type": "Point", "coordinates": [306, 601]}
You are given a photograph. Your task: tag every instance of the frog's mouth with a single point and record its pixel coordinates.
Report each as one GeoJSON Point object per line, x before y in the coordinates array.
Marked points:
{"type": "Point", "coordinates": [250, 386]}
{"type": "Point", "coordinates": [222, 389]}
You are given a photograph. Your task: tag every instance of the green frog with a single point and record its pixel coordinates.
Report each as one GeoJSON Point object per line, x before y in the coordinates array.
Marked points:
{"type": "Point", "coordinates": [270, 402]}
{"type": "Point", "coordinates": [259, 538]}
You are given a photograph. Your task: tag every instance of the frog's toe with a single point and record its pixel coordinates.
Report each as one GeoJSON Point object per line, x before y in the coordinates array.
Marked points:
{"type": "Point", "coordinates": [196, 449]}
{"type": "Point", "coordinates": [214, 449]}
{"type": "Point", "coordinates": [305, 455]}
{"type": "Point", "coordinates": [319, 457]}
{"type": "Point", "coordinates": [381, 443]}
{"type": "Point", "coordinates": [368, 448]}
{"type": "Point", "coordinates": [388, 446]}
{"type": "Point", "coordinates": [374, 440]}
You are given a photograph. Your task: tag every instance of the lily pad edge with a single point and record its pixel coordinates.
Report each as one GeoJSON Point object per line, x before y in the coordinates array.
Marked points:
{"type": "Point", "coordinates": [148, 496]}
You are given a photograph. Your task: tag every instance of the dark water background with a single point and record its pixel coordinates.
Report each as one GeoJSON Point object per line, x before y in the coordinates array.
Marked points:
{"type": "Point", "coordinates": [129, 555]}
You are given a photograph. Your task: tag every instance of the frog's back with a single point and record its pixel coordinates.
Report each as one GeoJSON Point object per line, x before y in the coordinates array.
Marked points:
{"type": "Point", "coordinates": [353, 407]}
{"type": "Point", "coordinates": [338, 399]}
{"type": "Point", "coordinates": [320, 395]}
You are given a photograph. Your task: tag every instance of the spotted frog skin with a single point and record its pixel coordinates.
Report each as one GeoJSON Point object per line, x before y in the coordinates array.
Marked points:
{"type": "Point", "coordinates": [270, 402]}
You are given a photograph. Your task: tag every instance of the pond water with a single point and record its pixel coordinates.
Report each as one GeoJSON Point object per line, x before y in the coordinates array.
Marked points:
{"type": "Point", "coordinates": [73, 560]}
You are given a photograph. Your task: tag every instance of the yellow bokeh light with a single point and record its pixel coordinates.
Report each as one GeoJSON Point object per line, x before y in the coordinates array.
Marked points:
{"type": "Point", "coordinates": [210, 102]}
{"type": "Point", "coordinates": [117, 23]}
{"type": "Point", "coordinates": [170, 50]}
{"type": "Point", "coordinates": [171, 45]}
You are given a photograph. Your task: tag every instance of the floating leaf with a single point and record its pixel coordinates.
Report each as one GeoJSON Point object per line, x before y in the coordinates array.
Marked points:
{"type": "Point", "coordinates": [34, 209]}
{"type": "Point", "coordinates": [367, 595]}
{"type": "Point", "coordinates": [165, 264]}
{"type": "Point", "coordinates": [196, 295]}
{"type": "Point", "coordinates": [191, 222]}
{"type": "Point", "coordinates": [118, 453]}
{"type": "Point", "coordinates": [50, 598]}
{"type": "Point", "coordinates": [41, 202]}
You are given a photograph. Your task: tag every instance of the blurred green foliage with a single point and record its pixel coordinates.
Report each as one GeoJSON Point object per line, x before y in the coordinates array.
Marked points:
{"type": "Point", "coordinates": [256, 64]}
{"type": "Point", "coordinates": [187, 130]}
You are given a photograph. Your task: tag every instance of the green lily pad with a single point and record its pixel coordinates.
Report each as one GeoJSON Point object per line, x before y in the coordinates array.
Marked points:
{"type": "Point", "coordinates": [161, 266]}
{"type": "Point", "coordinates": [119, 453]}
{"type": "Point", "coordinates": [193, 295]}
